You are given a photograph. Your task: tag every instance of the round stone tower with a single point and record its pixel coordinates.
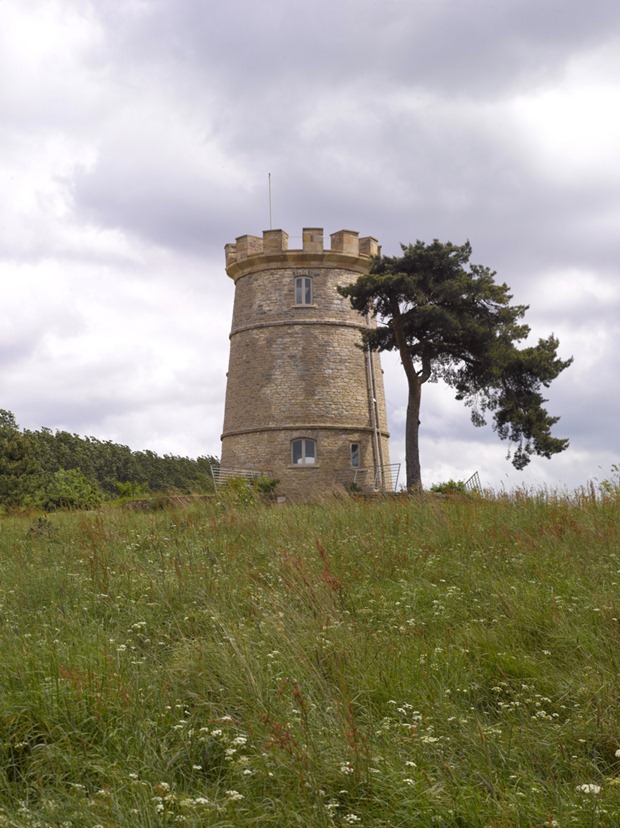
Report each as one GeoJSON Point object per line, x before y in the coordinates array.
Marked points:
{"type": "Point", "coordinates": [304, 402]}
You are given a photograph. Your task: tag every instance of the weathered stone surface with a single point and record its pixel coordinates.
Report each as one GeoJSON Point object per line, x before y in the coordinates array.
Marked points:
{"type": "Point", "coordinates": [296, 370]}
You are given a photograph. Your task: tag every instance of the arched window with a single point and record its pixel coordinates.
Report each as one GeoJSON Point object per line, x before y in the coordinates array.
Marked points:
{"type": "Point", "coordinates": [303, 452]}
{"type": "Point", "coordinates": [303, 290]}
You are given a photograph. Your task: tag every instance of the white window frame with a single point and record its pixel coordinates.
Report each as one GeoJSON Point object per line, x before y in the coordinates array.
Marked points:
{"type": "Point", "coordinates": [304, 290]}
{"type": "Point", "coordinates": [305, 458]}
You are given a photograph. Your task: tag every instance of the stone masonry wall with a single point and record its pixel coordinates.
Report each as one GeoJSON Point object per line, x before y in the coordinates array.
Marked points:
{"type": "Point", "coordinates": [296, 370]}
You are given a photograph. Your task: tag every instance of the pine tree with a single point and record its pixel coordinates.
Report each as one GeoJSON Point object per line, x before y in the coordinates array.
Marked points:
{"type": "Point", "coordinates": [449, 320]}
{"type": "Point", "coordinates": [19, 469]}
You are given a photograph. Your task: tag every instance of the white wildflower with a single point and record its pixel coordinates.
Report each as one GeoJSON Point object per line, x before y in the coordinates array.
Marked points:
{"type": "Point", "coordinates": [234, 796]}
{"type": "Point", "coordinates": [589, 788]}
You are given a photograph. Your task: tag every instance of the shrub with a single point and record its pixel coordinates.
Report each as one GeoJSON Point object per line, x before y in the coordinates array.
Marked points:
{"type": "Point", "coordinates": [265, 485]}
{"type": "Point", "coordinates": [130, 490]}
{"type": "Point", "coordinates": [69, 489]}
{"type": "Point", "coordinates": [450, 487]}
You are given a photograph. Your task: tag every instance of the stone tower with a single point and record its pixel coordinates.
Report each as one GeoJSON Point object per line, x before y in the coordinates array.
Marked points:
{"type": "Point", "coordinates": [304, 403]}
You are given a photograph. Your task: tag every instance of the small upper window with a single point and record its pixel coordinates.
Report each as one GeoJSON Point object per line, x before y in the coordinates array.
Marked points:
{"type": "Point", "coordinates": [303, 452]}
{"type": "Point", "coordinates": [356, 459]}
{"type": "Point", "coordinates": [303, 290]}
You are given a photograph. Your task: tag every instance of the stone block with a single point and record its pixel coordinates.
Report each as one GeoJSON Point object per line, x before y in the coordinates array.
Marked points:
{"type": "Point", "coordinates": [274, 241]}
{"type": "Point", "coordinates": [313, 239]}
{"type": "Point", "coordinates": [345, 241]}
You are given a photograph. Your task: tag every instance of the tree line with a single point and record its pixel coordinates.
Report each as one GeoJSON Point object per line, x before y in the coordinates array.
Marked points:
{"type": "Point", "coordinates": [55, 469]}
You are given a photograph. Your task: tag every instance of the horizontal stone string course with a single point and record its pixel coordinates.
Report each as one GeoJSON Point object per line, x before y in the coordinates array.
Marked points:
{"type": "Point", "coordinates": [301, 427]}
{"type": "Point", "coordinates": [332, 322]}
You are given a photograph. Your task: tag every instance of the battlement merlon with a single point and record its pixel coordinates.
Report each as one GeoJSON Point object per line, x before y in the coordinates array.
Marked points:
{"type": "Point", "coordinates": [275, 242]}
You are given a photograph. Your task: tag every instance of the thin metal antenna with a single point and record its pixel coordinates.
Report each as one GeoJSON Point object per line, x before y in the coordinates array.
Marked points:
{"type": "Point", "coordinates": [270, 221]}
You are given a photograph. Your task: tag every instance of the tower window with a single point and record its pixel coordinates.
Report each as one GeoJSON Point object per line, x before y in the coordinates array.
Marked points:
{"type": "Point", "coordinates": [356, 455]}
{"type": "Point", "coordinates": [303, 452]}
{"type": "Point", "coordinates": [303, 290]}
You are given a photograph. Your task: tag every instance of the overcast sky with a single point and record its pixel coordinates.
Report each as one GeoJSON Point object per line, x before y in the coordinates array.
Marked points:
{"type": "Point", "coordinates": [136, 138]}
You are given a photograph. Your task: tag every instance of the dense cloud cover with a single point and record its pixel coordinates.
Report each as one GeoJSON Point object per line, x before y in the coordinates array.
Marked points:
{"type": "Point", "coordinates": [136, 140]}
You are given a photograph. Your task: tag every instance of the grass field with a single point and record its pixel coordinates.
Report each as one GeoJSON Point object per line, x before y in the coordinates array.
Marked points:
{"type": "Point", "coordinates": [400, 662]}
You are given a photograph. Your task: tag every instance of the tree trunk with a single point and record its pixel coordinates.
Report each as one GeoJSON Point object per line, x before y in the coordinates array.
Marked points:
{"type": "Point", "coordinates": [415, 382]}
{"type": "Point", "coordinates": [412, 429]}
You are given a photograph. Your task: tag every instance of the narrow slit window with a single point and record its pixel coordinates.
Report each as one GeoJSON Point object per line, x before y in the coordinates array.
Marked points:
{"type": "Point", "coordinates": [303, 452]}
{"type": "Point", "coordinates": [356, 460]}
{"type": "Point", "coordinates": [303, 290]}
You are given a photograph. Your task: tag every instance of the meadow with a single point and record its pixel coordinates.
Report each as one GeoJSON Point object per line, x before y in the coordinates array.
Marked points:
{"type": "Point", "coordinates": [408, 661]}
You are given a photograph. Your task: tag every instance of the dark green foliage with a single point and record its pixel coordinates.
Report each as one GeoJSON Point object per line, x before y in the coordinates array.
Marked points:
{"type": "Point", "coordinates": [266, 485]}
{"type": "Point", "coordinates": [131, 490]}
{"type": "Point", "coordinates": [69, 489]}
{"type": "Point", "coordinates": [33, 461]}
{"type": "Point", "coordinates": [110, 463]}
{"type": "Point", "coordinates": [449, 320]}
{"type": "Point", "coordinates": [245, 491]}
{"type": "Point", "coordinates": [19, 469]}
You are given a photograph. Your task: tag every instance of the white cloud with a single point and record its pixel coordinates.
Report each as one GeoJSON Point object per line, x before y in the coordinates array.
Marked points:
{"type": "Point", "coordinates": [573, 128]}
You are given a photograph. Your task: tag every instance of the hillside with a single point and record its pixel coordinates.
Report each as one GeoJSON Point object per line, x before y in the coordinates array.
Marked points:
{"type": "Point", "coordinates": [401, 662]}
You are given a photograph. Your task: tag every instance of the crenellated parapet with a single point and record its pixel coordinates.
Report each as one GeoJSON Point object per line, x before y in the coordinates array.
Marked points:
{"type": "Point", "coordinates": [344, 243]}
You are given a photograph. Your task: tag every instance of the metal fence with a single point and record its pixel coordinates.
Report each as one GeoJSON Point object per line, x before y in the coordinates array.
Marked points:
{"type": "Point", "coordinates": [473, 483]}
{"type": "Point", "coordinates": [222, 476]}
{"type": "Point", "coordinates": [386, 477]}
{"type": "Point", "coordinates": [380, 479]}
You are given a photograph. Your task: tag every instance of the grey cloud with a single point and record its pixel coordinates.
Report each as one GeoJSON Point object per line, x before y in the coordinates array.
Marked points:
{"type": "Point", "coordinates": [388, 117]}
{"type": "Point", "coordinates": [451, 174]}
{"type": "Point", "coordinates": [462, 48]}
{"type": "Point", "coordinates": [175, 217]}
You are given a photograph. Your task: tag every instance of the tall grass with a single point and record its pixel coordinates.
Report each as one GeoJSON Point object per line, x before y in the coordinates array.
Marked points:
{"type": "Point", "coordinates": [403, 662]}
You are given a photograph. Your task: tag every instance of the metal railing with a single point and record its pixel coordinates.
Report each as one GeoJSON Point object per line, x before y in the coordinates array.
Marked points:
{"type": "Point", "coordinates": [222, 476]}
{"type": "Point", "coordinates": [379, 479]}
{"type": "Point", "coordinates": [351, 478]}
{"type": "Point", "coordinates": [473, 483]}
{"type": "Point", "coordinates": [386, 477]}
